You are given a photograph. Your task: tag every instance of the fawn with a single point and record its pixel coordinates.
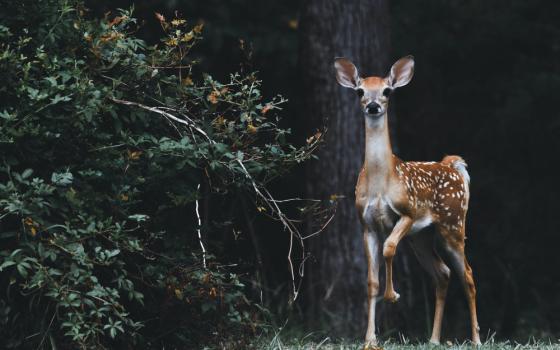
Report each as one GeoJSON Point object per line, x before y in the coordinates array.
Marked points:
{"type": "Point", "coordinates": [397, 198]}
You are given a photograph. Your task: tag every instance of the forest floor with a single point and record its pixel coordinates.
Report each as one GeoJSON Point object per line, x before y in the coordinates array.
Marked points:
{"type": "Point", "coordinates": [277, 344]}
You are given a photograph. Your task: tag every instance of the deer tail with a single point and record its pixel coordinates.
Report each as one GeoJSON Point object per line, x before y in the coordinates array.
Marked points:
{"type": "Point", "coordinates": [460, 165]}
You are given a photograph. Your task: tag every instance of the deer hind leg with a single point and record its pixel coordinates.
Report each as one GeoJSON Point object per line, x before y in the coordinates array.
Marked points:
{"type": "Point", "coordinates": [455, 244]}
{"type": "Point", "coordinates": [371, 242]}
{"type": "Point", "coordinates": [423, 246]}
{"type": "Point", "coordinates": [389, 250]}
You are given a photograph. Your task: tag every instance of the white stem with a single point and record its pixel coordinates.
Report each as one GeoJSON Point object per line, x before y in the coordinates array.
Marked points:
{"type": "Point", "coordinates": [199, 233]}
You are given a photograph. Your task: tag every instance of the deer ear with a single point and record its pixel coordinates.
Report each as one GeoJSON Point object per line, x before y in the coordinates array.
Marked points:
{"type": "Point", "coordinates": [402, 72]}
{"type": "Point", "coordinates": [346, 73]}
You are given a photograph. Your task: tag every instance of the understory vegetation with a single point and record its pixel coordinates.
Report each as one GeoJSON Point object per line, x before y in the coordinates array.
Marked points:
{"type": "Point", "coordinates": [122, 168]}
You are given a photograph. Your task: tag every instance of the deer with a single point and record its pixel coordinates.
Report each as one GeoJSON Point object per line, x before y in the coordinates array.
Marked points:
{"type": "Point", "coordinates": [396, 198]}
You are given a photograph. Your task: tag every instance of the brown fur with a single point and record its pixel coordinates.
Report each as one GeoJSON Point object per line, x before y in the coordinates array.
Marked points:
{"type": "Point", "coordinates": [397, 198]}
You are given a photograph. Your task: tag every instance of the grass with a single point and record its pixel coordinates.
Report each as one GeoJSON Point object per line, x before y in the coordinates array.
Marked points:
{"type": "Point", "coordinates": [293, 339]}
{"type": "Point", "coordinates": [326, 344]}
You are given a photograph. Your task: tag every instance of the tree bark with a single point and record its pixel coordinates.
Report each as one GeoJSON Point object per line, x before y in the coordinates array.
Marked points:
{"type": "Point", "coordinates": [359, 30]}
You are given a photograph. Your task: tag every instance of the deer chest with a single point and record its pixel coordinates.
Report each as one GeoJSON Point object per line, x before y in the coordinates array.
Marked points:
{"type": "Point", "coordinates": [377, 212]}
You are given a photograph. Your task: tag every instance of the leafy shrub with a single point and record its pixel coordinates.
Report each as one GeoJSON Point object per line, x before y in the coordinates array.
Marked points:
{"type": "Point", "coordinates": [107, 146]}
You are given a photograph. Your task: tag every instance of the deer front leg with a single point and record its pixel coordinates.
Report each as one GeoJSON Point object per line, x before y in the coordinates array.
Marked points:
{"type": "Point", "coordinates": [371, 243]}
{"type": "Point", "coordinates": [389, 250]}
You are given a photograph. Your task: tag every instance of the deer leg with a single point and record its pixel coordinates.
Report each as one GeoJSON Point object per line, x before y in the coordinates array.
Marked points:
{"type": "Point", "coordinates": [371, 242]}
{"type": "Point", "coordinates": [389, 250]}
{"type": "Point", "coordinates": [423, 246]}
{"type": "Point", "coordinates": [456, 247]}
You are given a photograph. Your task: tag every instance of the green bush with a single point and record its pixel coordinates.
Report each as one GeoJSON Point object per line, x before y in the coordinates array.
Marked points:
{"type": "Point", "coordinates": [107, 143]}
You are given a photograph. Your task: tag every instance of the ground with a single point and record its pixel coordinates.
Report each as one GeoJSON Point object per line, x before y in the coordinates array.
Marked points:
{"type": "Point", "coordinates": [326, 344]}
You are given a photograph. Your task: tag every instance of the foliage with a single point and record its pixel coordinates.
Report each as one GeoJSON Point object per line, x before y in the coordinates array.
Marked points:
{"type": "Point", "coordinates": [107, 144]}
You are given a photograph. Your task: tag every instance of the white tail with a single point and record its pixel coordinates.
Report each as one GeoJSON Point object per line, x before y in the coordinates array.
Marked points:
{"type": "Point", "coordinates": [459, 164]}
{"type": "Point", "coordinates": [396, 198]}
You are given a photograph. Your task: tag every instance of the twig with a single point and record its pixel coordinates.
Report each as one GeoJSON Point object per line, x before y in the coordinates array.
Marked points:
{"type": "Point", "coordinates": [198, 230]}
{"type": "Point", "coordinates": [321, 229]}
{"type": "Point", "coordinates": [285, 221]}
{"type": "Point", "coordinates": [107, 147]}
{"type": "Point", "coordinates": [296, 199]}
{"type": "Point", "coordinates": [187, 122]}
{"type": "Point", "coordinates": [47, 331]}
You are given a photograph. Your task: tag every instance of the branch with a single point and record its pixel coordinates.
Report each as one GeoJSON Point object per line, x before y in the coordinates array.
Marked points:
{"type": "Point", "coordinates": [198, 230]}
{"type": "Point", "coordinates": [262, 193]}
{"type": "Point", "coordinates": [189, 122]}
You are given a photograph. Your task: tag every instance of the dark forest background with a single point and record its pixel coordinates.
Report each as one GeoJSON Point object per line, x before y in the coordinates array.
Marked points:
{"type": "Point", "coordinates": [487, 75]}
{"type": "Point", "coordinates": [485, 87]}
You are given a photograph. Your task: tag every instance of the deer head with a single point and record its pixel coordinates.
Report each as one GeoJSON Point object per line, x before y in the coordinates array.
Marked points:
{"type": "Point", "coordinates": [374, 92]}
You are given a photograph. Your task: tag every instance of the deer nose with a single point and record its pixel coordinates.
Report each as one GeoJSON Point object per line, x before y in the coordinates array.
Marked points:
{"type": "Point", "coordinates": [373, 108]}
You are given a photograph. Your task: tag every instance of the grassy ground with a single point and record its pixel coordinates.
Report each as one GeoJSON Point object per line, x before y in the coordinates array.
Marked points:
{"type": "Point", "coordinates": [326, 344]}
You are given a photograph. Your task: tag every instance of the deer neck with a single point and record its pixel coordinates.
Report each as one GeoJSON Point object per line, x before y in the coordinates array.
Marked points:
{"type": "Point", "coordinates": [378, 162]}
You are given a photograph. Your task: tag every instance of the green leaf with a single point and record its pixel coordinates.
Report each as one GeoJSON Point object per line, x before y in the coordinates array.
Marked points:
{"type": "Point", "coordinates": [62, 179]}
{"type": "Point", "coordinates": [139, 217]}
{"type": "Point", "coordinates": [22, 271]}
{"type": "Point", "coordinates": [59, 98]}
{"type": "Point", "coordinates": [7, 263]}
{"type": "Point", "coordinates": [26, 173]}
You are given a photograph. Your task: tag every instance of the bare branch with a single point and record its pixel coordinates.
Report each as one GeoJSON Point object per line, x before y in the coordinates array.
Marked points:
{"type": "Point", "coordinates": [261, 192]}
{"type": "Point", "coordinates": [167, 115]}
{"type": "Point", "coordinates": [198, 230]}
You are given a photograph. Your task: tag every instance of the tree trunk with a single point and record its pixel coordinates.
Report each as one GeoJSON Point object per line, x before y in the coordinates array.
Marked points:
{"type": "Point", "coordinates": [359, 30]}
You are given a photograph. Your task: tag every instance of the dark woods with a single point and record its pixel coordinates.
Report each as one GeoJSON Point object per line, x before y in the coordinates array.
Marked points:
{"type": "Point", "coordinates": [484, 89]}
{"type": "Point", "coordinates": [485, 85]}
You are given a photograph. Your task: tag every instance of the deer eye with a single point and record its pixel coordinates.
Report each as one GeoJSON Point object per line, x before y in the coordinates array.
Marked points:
{"type": "Point", "coordinates": [360, 92]}
{"type": "Point", "coordinates": [387, 92]}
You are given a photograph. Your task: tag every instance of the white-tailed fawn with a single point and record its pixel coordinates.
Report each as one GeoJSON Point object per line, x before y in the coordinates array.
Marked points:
{"type": "Point", "coordinates": [395, 198]}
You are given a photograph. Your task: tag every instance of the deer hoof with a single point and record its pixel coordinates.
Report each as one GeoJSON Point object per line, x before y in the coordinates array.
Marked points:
{"type": "Point", "coordinates": [369, 346]}
{"type": "Point", "coordinates": [392, 297]}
